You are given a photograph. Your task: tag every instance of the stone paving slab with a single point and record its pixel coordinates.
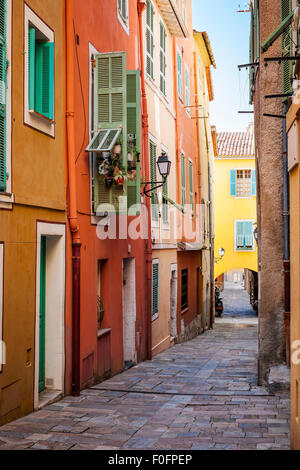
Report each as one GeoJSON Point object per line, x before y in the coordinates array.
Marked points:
{"type": "Point", "coordinates": [198, 395]}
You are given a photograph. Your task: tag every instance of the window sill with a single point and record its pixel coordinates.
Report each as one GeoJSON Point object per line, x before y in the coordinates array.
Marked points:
{"type": "Point", "coordinates": [6, 200]}
{"type": "Point", "coordinates": [154, 317]}
{"type": "Point", "coordinates": [40, 116]}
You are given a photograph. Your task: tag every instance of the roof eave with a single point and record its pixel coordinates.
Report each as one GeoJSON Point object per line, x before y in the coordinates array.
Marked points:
{"type": "Point", "coordinates": [172, 17]}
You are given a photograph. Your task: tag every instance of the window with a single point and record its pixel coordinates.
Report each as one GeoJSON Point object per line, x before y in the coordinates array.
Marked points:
{"type": "Point", "coordinates": [243, 183]}
{"type": "Point", "coordinates": [179, 75]}
{"type": "Point", "coordinates": [104, 140]}
{"type": "Point", "coordinates": [162, 59]}
{"type": "Point", "coordinates": [244, 239]}
{"type": "Point", "coordinates": [184, 10]}
{"type": "Point", "coordinates": [123, 10]}
{"type": "Point", "coordinates": [153, 176]}
{"type": "Point", "coordinates": [187, 89]}
{"type": "Point", "coordinates": [183, 178]}
{"type": "Point", "coordinates": [115, 122]}
{"type": "Point", "coordinates": [3, 81]}
{"type": "Point", "coordinates": [39, 74]}
{"type": "Point", "coordinates": [2, 350]}
{"type": "Point", "coordinates": [184, 289]}
{"type": "Point", "coordinates": [191, 185]}
{"type": "Point", "coordinates": [155, 289]}
{"type": "Point", "coordinates": [150, 39]}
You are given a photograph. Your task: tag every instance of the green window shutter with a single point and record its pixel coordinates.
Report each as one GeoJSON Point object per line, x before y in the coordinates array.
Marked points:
{"type": "Point", "coordinates": [150, 39]}
{"type": "Point", "coordinates": [232, 182]}
{"type": "Point", "coordinates": [183, 179]}
{"type": "Point", "coordinates": [256, 31]}
{"type": "Point", "coordinates": [44, 79]}
{"type": "Point", "coordinates": [248, 228]}
{"type": "Point", "coordinates": [155, 288]}
{"type": "Point", "coordinates": [253, 182]}
{"type": "Point", "coordinates": [31, 69]}
{"type": "Point", "coordinates": [179, 74]}
{"type": "Point", "coordinates": [110, 112]}
{"type": "Point", "coordinates": [191, 185]}
{"type": "Point", "coordinates": [187, 88]}
{"type": "Point", "coordinates": [133, 129]}
{"type": "Point", "coordinates": [287, 49]}
{"type": "Point", "coordinates": [251, 55]}
{"type": "Point", "coordinates": [240, 237]}
{"type": "Point", "coordinates": [110, 91]}
{"type": "Point", "coordinates": [165, 209]}
{"type": "Point", "coordinates": [3, 81]}
{"type": "Point", "coordinates": [162, 59]}
{"type": "Point", "coordinates": [153, 177]}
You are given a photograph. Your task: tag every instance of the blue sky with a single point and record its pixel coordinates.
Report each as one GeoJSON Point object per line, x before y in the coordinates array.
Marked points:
{"type": "Point", "coordinates": [228, 32]}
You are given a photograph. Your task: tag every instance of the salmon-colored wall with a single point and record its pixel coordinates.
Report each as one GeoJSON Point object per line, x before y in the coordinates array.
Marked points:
{"type": "Point", "coordinates": [187, 137]}
{"type": "Point", "coordinates": [109, 37]}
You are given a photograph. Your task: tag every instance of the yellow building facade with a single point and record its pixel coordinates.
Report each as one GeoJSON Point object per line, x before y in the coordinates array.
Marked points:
{"type": "Point", "coordinates": [235, 202]}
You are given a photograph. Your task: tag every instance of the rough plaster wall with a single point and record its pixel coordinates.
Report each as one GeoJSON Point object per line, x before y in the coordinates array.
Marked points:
{"type": "Point", "coordinates": [270, 174]}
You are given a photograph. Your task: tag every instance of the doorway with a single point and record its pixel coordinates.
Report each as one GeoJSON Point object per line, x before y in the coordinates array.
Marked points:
{"type": "Point", "coordinates": [50, 313]}
{"type": "Point", "coordinates": [129, 312]}
{"type": "Point", "coordinates": [173, 302]}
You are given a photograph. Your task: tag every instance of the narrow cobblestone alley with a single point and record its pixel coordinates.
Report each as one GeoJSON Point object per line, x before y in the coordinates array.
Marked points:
{"type": "Point", "coordinates": [197, 395]}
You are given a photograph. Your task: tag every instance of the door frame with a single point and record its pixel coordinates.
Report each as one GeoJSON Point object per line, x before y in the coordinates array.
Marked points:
{"type": "Point", "coordinates": [58, 232]}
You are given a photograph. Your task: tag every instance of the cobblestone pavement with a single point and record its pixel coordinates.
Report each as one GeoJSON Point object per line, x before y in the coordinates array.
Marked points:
{"type": "Point", "coordinates": [236, 301]}
{"type": "Point", "coordinates": [197, 395]}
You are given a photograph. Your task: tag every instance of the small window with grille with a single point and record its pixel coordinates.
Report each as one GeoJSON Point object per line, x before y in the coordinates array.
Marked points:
{"type": "Point", "coordinates": [243, 183]}
{"type": "Point", "coordinates": [184, 289]}
{"type": "Point", "coordinates": [123, 13]}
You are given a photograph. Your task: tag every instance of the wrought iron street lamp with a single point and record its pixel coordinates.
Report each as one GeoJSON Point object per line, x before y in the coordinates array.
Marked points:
{"type": "Point", "coordinates": [221, 254]}
{"type": "Point", "coordinates": [164, 168]}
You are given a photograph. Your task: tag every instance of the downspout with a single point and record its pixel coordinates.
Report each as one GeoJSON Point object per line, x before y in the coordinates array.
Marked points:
{"type": "Point", "coordinates": [198, 129]}
{"type": "Point", "coordinates": [212, 254]}
{"type": "Point", "coordinates": [72, 207]}
{"type": "Point", "coordinates": [178, 150]}
{"type": "Point", "coordinates": [141, 5]}
{"type": "Point", "coordinates": [286, 230]}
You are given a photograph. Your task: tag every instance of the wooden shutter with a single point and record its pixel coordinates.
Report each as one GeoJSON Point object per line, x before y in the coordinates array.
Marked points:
{"type": "Point", "coordinates": [183, 179]}
{"type": "Point", "coordinates": [187, 88]}
{"type": "Point", "coordinates": [232, 182]}
{"type": "Point", "coordinates": [44, 79]}
{"type": "Point", "coordinates": [110, 91]}
{"type": "Point", "coordinates": [3, 81]}
{"type": "Point", "coordinates": [150, 39]}
{"type": "Point", "coordinates": [191, 185]}
{"type": "Point", "coordinates": [253, 183]}
{"type": "Point", "coordinates": [179, 74]}
{"type": "Point", "coordinates": [110, 112]}
{"type": "Point", "coordinates": [287, 49]}
{"type": "Point", "coordinates": [248, 231]}
{"type": "Point", "coordinates": [133, 129]}
{"type": "Point", "coordinates": [31, 69]}
{"type": "Point", "coordinates": [240, 237]}
{"type": "Point", "coordinates": [162, 59]}
{"type": "Point", "coordinates": [153, 176]}
{"type": "Point", "coordinates": [155, 288]}
{"type": "Point", "coordinates": [251, 55]}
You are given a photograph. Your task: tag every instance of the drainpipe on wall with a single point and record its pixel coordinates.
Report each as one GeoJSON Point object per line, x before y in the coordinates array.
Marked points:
{"type": "Point", "coordinates": [72, 207]}
{"type": "Point", "coordinates": [141, 5]}
{"type": "Point", "coordinates": [178, 150]}
{"type": "Point", "coordinates": [286, 228]}
{"type": "Point", "coordinates": [211, 250]}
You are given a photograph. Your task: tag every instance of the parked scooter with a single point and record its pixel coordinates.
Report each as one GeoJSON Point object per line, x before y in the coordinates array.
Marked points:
{"type": "Point", "coordinates": [219, 307]}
